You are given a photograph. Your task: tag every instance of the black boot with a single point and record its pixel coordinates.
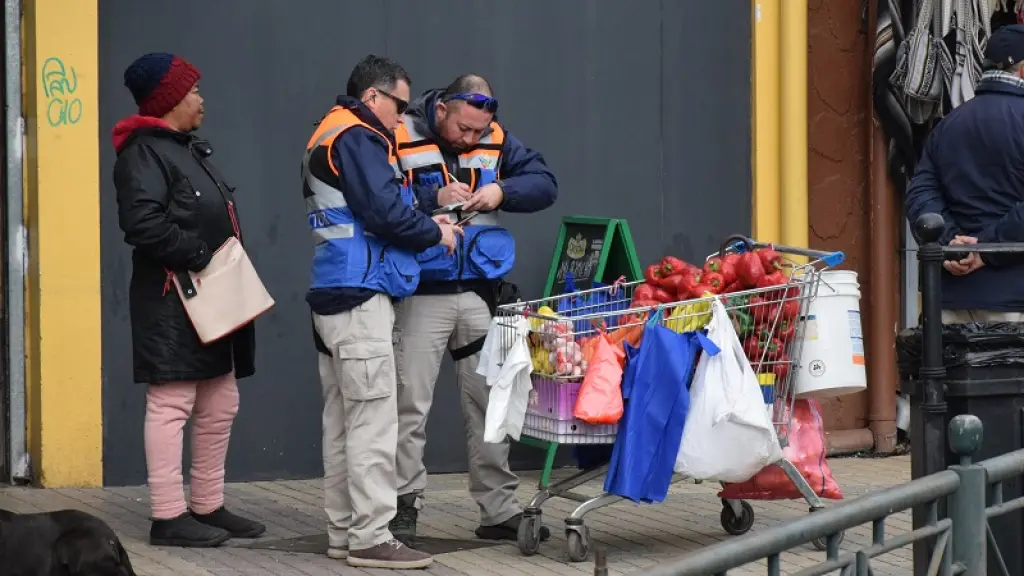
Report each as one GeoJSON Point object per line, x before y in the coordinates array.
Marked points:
{"type": "Point", "coordinates": [235, 525]}
{"type": "Point", "coordinates": [186, 532]}
{"type": "Point", "coordinates": [507, 530]}
{"type": "Point", "coordinates": [403, 525]}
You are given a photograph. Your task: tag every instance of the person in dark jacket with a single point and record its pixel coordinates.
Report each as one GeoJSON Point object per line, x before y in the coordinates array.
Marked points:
{"type": "Point", "coordinates": [969, 172]}
{"type": "Point", "coordinates": [366, 233]}
{"type": "Point", "coordinates": [175, 211]}
{"type": "Point", "coordinates": [455, 151]}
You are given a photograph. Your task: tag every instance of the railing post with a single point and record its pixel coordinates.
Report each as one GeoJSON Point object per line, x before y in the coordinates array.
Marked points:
{"type": "Point", "coordinates": [600, 563]}
{"type": "Point", "coordinates": [928, 446]}
{"type": "Point", "coordinates": [967, 504]}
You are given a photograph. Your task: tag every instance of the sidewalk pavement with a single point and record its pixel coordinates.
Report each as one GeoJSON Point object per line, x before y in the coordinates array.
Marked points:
{"type": "Point", "coordinates": [634, 536]}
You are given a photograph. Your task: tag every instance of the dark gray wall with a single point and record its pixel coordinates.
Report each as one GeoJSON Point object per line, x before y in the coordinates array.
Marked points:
{"type": "Point", "coordinates": [641, 107]}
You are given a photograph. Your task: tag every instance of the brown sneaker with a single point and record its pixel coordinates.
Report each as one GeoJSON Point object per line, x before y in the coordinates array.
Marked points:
{"type": "Point", "coordinates": [391, 554]}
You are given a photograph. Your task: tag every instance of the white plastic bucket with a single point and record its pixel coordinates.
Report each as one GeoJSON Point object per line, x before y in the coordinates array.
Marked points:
{"type": "Point", "coordinates": [832, 359]}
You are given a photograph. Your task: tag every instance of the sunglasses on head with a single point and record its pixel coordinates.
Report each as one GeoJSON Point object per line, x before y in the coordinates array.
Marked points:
{"type": "Point", "coordinates": [402, 105]}
{"type": "Point", "coordinates": [480, 101]}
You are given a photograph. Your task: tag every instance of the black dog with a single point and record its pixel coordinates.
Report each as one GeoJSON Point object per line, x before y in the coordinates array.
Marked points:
{"type": "Point", "coordinates": [61, 543]}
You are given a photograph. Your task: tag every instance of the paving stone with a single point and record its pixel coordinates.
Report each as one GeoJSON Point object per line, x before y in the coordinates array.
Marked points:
{"type": "Point", "coordinates": [633, 536]}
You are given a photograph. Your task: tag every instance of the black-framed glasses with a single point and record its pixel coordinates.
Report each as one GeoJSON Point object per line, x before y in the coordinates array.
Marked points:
{"type": "Point", "coordinates": [481, 101]}
{"type": "Point", "coordinates": [402, 105]}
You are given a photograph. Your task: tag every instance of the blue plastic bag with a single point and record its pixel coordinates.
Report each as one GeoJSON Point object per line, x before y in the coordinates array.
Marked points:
{"type": "Point", "coordinates": [604, 302]}
{"type": "Point", "coordinates": [655, 387]}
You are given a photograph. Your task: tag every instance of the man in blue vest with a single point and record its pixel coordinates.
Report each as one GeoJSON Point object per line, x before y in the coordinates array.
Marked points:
{"type": "Point", "coordinates": [366, 231]}
{"type": "Point", "coordinates": [454, 151]}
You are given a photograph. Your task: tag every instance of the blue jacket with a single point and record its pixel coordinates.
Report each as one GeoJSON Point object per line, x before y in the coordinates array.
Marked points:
{"type": "Point", "coordinates": [970, 172]}
{"type": "Point", "coordinates": [375, 201]}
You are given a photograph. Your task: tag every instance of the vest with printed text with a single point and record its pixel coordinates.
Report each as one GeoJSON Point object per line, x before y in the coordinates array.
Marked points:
{"type": "Point", "coordinates": [346, 255]}
{"type": "Point", "coordinates": [486, 251]}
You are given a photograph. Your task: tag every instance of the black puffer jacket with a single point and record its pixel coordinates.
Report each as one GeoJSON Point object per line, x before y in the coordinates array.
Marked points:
{"type": "Point", "coordinates": [173, 210]}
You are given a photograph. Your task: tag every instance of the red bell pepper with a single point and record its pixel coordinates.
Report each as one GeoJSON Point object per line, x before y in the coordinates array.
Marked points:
{"type": "Point", "coordinates": [771, 260]}
{"type": "Point", "coordinates": [652, 275]}
{"type": "Point", "coordinates": [676, 285]}
{"type": "Point", "coordinates": [790, 309]}
{"type": "Point", "coordinates": [767, 344]}
{"type": "Point", "coordinates": [643, 292]}
{"type": "Point", "coordinates": [750, 271]}
{"type": "Point", "coordinates": [728, 272]}
{"type": "Point", "coordinates": [732, 258]}
{"type": "Point", "coordinates": [784, 330]}
{"type": "Point", "coordinates": [770, 347]}
{"type": "Point", "coordinates": [701, 289]}
{"type": "Point", "coordinates": [781, 368]}
{"type": "Point", "coordinates": [721, 266]}
{"type": "Point", "coordinates": [774, 279]}
{"type": "Point", "coordinates": [663, 296]}
{"type": "Point", "coordinates": [692, 278]}
{"type": "Point", "coordinates": [671, 265]}
{"type": "Point", "coordinates": [758, 308]}
{"type": "Point", "coordinates": [734, 287]}
{"type": "Point", "coordinates": [713, 265]}
{"type": "Point", "coordinates": [752, 348]}
{"type": "Point", "coordinates": [715, 281]}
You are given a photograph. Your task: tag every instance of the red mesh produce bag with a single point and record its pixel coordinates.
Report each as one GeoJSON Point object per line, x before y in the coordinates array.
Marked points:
{"type": "Point", "coordinates": [806, 451]}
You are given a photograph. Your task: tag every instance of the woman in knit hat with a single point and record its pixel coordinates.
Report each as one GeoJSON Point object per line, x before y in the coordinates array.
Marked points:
{"type": "Point", "coordinates": [175, 210]}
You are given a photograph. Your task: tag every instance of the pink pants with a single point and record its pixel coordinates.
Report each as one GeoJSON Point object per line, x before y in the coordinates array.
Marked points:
{"type": "Point", "coordinates": [168, 407]}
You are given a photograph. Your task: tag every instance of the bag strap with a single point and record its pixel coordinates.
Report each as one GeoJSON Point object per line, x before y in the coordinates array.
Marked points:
{"type": "Point", "coordinates": [655, 317]}
{"type": "Point", "coordinates": [468, 350]}
{"type": "Point", "coordinates": [201, 155]}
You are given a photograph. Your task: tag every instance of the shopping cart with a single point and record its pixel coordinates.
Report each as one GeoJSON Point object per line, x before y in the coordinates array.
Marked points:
{"type": "Point", "coordinates": [562, 325]}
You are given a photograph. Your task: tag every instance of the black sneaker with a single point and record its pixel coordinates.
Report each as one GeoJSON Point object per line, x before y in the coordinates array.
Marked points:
{"type": "Point", "coordinates": [186, 532]}
{"type": "Point", "coordinates": [235, 525]}
{"type": "Point", "coordinates": [507, 530]}
{"type": "Point", "coordinates": [403, 525]}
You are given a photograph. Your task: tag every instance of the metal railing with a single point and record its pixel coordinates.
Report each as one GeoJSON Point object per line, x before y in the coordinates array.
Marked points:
{"type": "Point", "coordinates": [959, 541]}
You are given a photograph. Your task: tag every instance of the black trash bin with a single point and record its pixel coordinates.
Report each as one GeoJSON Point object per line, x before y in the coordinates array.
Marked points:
{"type": "Point", "coordinates": [984, 377]}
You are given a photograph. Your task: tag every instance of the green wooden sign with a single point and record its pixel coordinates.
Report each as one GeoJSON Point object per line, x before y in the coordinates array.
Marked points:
{"type": "Point", "coordinates": [593, 250]}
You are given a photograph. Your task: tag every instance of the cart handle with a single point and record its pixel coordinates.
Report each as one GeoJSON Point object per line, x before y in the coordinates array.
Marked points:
{"type": "Point", "coordinates": [739, 243]}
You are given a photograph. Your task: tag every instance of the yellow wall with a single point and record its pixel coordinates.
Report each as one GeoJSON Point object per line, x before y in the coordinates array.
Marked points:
{"type": "Point", "coordinates": [779, 104]}
{"type": "Point", "coordinates": [767, 142]}
{"type": "Point", "coordinates": [793, 122]}
{"type": "Point", "coordinates": [63, 380]}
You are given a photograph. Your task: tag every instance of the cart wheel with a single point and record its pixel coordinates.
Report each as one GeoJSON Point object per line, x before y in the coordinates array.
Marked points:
{"type": "Point", "coordinates": [579, 544]}
{"type": "Point", "coordinates": [822, 543]}
{"type": "Point", "coordinates": [528, 536]}
{"type": "Point", "coordinates": [737, 525]}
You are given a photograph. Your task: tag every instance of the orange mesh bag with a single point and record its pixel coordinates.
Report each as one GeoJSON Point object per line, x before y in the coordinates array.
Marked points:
{"type": "Point", "coordinates": [600, 396]}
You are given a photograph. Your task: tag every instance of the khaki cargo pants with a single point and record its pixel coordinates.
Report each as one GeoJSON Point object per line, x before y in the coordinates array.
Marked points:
{"type": "Point", "coordinates": [360, 423]}
{"type": "Point", "coordinates": [427, 326]}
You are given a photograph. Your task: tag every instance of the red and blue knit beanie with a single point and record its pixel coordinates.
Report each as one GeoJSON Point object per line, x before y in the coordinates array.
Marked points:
{"type": "Point", "coordinates": [159, 82]}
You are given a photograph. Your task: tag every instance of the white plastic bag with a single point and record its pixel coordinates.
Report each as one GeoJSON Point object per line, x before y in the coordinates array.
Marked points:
{"type": "Point", "coordinates": [509, 380]}
{"type": "Point", "coordinates": [728, 435]}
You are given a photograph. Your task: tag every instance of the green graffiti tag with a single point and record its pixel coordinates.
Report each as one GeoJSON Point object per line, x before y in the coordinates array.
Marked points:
{"type": "Point", "coordinates": [59, 85]}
